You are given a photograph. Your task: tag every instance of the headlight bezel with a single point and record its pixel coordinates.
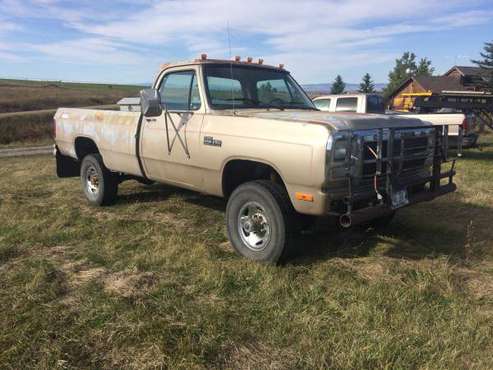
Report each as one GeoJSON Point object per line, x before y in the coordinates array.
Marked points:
{"type": "Point", "coordinates": [337, 146]}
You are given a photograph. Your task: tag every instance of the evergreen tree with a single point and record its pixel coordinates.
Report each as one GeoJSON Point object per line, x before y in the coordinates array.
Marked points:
{"type": "Point", "coordinates": [366, 85]}
{"type": "Point", "coordinates": [424, 68]}
{"type": "Point", "coordinates": [404, 68]}
{"type": "Point", "coordinates": [486, 64]}
{"type": "Point", "coordinates": [338, 86]}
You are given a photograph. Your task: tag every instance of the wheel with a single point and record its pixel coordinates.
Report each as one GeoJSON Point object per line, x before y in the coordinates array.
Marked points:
{"type": "Point", "coordinates": [100, 185]}
{"type": "Point", "coordinates": [260, 221]}
{"type": "Point", "coordinates": [382, 222]}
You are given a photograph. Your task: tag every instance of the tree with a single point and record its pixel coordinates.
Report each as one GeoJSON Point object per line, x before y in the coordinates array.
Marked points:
{"type": "Point", "coordinates": [424, 68]}
{"type": "Point", "coordinates": [338, 86]}
{"type": "Point", "coordinates": [366, 85]}
{"type": "Point", "coordinates": [486, 64]}
{"type": "Point", "coordinates": [404, 68]}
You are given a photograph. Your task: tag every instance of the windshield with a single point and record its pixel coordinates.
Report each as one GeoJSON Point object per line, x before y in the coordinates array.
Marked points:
{"type": "Point", "coordinates": [233, 86]}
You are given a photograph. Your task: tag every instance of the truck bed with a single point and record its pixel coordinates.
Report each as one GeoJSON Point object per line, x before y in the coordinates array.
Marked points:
{"type": "Point", "coordinates": [113, 131]}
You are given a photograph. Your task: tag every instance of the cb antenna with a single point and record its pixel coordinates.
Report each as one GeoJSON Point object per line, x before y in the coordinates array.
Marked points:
{"type": "Point", "coordinates": [230, 66]}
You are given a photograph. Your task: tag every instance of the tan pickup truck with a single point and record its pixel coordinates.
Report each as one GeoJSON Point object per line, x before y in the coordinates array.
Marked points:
{"type": "Point", "coordinates": [248, 132]}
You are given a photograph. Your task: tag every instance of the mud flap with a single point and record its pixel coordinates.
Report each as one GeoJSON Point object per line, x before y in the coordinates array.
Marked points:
{"type": "Point", "coordinates": [66, 166]}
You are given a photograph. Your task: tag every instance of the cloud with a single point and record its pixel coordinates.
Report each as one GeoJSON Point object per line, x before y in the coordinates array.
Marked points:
{"type": "Point", "coordinates": [10, 57]}
{"type": "Point", "coordinates": [88, 51]}
{"type": "Point", "coordinates": [329, 33]}
{"type": "Point", "coordinates": [6, 27]}
{"type": "Point", "coordinates": [282, 25]}
{"type": "Point", "coordinates": [316, 66]}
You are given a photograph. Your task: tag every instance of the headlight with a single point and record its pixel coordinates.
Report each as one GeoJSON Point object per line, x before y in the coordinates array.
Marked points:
{"type": "Point", "coordinates": [340, 149]}
{"type": "Point", "coordinates": [338, 144]}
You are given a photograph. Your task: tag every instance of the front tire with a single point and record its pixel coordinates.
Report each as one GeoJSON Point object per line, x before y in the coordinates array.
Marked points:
{"type": "Point", "coordinates": [99, 184]}
{"type": "Point", "coordinates": [260, 221]}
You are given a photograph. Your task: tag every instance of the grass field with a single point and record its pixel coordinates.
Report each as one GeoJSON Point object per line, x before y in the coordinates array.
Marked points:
{"type": "Point", "coordinates": [29, 97]}
{"type": "Point", "coordinates": [25, 95]}
{"type": "Point", "coordinates": [152, 282]}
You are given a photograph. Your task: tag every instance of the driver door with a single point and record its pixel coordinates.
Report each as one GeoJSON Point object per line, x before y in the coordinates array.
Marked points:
{"type": "Point", "coordinates": [170, 142]}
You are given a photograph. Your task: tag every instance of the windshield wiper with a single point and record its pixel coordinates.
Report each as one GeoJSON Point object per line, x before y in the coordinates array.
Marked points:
{"type": "Point", "coordinates": [302, 107]}
{"type": "Point", "coordinates": [253, 101]}
{"type": "Point", "coordinates": [287, 106]}
{"type": "Point", "coordinates": [272, 107]}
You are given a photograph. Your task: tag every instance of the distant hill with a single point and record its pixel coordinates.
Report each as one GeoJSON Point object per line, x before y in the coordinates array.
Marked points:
{"type": "Point", "coordinates": [325, 87]}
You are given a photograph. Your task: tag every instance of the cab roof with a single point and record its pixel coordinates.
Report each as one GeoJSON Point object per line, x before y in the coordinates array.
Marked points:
{"type": "Point", "coordinates": [236, 62]}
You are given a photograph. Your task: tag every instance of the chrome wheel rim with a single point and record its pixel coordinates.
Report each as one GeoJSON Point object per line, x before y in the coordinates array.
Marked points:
{"type": "Point", "coordinates": [92, 180]}
{"type": "Point", "coordinates": [254, 226]}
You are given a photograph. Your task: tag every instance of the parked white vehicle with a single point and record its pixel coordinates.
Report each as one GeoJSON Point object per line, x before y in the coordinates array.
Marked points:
{"type": "Point", "coordinates": [356, 103]}
{"type": "Point", "coordinates": [373, 103]}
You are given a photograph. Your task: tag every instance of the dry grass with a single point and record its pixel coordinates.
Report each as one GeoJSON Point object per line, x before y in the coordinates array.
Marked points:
{"type": "Point", "coordinates": [152, 282]}
{"type": "Point", "coordinates": [18, 96]}
{"type": "Point", "coordinates": [23, 96]}
{"type": "Point", "coordinates": [34, 127]}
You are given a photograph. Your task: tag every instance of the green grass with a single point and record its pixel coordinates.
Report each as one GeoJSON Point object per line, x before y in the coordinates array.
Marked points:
{"type": "Point", "coordinates": [152, 282]}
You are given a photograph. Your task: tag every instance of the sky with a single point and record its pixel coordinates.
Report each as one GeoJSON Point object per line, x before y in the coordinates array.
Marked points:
{"type": "Point", "coordinates": [125, 41]}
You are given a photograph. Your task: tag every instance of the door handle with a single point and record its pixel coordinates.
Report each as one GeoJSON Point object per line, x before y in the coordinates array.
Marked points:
{"type": "Point", "coordinates": [150, 120]}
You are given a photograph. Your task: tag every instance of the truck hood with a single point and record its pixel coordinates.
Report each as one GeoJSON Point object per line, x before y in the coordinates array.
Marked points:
{"type": "Point", "coordinates": [337, 121]}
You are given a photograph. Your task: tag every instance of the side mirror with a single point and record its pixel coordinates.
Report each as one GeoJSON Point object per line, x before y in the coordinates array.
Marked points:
{"type": "Point", "coordinates": [150, 103]}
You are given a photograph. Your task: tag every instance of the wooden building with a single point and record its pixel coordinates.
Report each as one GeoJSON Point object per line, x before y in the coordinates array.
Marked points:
{"type": "Point", "coordinates": [457, 79]}
{"type": "Point", "coordinates": [471, 78]}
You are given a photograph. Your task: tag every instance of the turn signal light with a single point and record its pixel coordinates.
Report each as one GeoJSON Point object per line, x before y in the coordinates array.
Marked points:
{"type": "Point", "coordinates": [304, 197]}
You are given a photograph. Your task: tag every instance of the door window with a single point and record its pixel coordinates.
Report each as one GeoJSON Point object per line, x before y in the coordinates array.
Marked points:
{"type": "Point", "coordinates": [180, 91]}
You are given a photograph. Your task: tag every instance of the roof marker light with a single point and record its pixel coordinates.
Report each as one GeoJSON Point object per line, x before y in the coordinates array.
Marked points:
{"type": "Point", "coordinates": [260, 61]}
{"type": "Point", "coordinates": [281, 66]}
{"type": "Point", "coordinates": [203, 56]}
{"type": "Point", "coordinates": [237, 58]}
{"type": "Point", "coordinates": [249, 59]}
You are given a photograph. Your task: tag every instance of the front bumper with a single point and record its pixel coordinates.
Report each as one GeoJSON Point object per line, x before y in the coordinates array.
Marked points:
{"type": "Point", "coordinates": [367, 214]}
{"type": "Point", "coordinates": [408, 162]}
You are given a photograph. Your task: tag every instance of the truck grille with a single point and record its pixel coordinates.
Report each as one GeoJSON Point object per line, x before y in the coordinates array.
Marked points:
{"type": "Point", "coordinates": [406, 153]}
{"type": "Point", "coordinates": [363, 164]}
{"type": "Point", "coordinates": [409, 153]}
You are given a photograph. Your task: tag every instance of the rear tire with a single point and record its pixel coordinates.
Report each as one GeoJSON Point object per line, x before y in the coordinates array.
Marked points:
{"type": "Point", "coordinates": [99, 184]}
{"type": "Point", "coordinates": [260, 221]}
